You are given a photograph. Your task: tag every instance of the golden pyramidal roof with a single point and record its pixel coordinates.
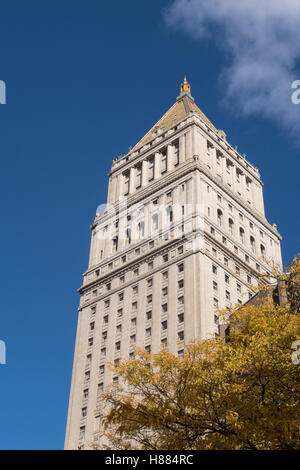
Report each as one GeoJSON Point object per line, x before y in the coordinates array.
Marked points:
{"type": "Point", "coordinates": [183, 106]}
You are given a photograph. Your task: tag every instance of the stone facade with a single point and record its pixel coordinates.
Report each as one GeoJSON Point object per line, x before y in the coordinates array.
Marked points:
{"type": "Point", "coordinates": [184, 232]}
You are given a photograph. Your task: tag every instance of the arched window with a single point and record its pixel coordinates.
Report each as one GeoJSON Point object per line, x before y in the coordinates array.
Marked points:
{"type": "Point", "coordinates": [242, 235]}
{"type": "Point", "coordinates": [230, 224]}
{"type": "Point", "coordinates": [220, 216]}
{"type": "Point", "coordinates": [263, 251]}
{"type": "Point", "coordinates": [252, 243]}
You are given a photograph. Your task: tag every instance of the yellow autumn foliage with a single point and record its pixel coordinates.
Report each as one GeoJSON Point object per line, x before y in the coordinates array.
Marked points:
{"type": "Point", "coordinates": [243, 393]}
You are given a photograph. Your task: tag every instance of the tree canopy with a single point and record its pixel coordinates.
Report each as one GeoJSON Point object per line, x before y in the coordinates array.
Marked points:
{"type": "Point", "coordinates": [242, 393]}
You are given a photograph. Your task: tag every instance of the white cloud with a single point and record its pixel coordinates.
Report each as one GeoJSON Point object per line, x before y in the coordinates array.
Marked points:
{"type": "Point", "coordinates": [261, 39]}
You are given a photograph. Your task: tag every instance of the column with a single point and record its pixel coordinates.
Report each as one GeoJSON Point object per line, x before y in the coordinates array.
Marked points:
{"type": "Point", "coordinates": [144, 173]}
{"type": "Point", "coordinates": [170, 157]}
{"type": "Point", "coordinates": [181, 148]}
{"type": "Point", "coordinates": [156, 165]}
{"type": "Point", "coordinates": [132, 180]}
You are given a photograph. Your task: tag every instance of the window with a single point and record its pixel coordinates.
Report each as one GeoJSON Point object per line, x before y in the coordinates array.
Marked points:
{"type": "Point", "coordinates": [241, 216]}
{"type": "Point", "coordinates": [227, 295]}
{"type": "Point", "coordinates": [180, 284]}
{"type": "Point", "coordinates": [121, 296]}
{"type": "Point", "coordinates": [181, 354]}
{"type": "Point", "coordinates": [104, 335]}
{"type": "Point", "coordinates": [231, 225]}
{"type": "Point", "coordinates": [257, 267]}
{"type": "Point", "coordinates": [226, 278]}
{"type": "Point", "coordinates": [251, 225]}
{"type": "Point", "coordinates": [136, 272]}
{"type": "Point", "coordinates": [120, 312]}
{"type": "Point", "coordinates": [219, 198]}
{"type": "Point", "coordinates": [181, 335]}
{"type": "Point", "coordinates": [108, 286]}
{"type": "Point", "coordinates": [149, 299]}
{"type": "Point", "coordinates": [151, 168]}
{"type": "Point", "coordinates": [155, 222]}
{"type": "Point", "coordinates": [81, 432]}
{"type": "Point", "coordinates": [164, 325]}
{"type": "Point", "coordinates": [224, 240]}
{"type": "Point", "coordinates": [249, 279]}
{"type": "Point", "coordinates": [132, 339]}
{"type": "Point", "coordinates": [214, 251]}
{"type": "Point", "coordinates": [103, 352]}
{"type": "Point", "coordinates": [106, 303]}
{"type": "Point", "coordinates": [247, 258]}
{"type": "Point", "coordinates": [239, 287]}
{"type": "Point", "coordinates": [226, 261]}
{"type": "Point", "coordinates": [122, 279]}
{"type": "Point", "coordinates": [149, 315]}
{"type": "Point", "coordinates": [137, 251]}
{"type": "Point", "coordinates": [164, 308]}
{"type": "Point", "coordinates": [93, 310]}
{"type": "Point", "coordinates": [215, 286]}
{"type": "Point", "coordinates": [164, 165]}
{"type": "Point", "coordinates": [150, 282]}
{"type": "Point", "coordinates": [151, 244]}
{"type": "Point", "coordinates": [150, 265]}
{"type": "Point", "coordinates": [212, 231]}
{"type": "Point", "coordinates": [148, 332]}
{"type": "Point", "coordinates": [138, 176]}
{"type": "Point", "coordinates": [237, 270]}
{"type": "Point", "coordinates": [236, 249]}
{"type": "Point", "coordinates": [134, 305]}
{"type": "Point", "coordinates": [115, 380]}
{"type": "Point", "coordinates": [263, 252]}
{"type": "Point", "coordinates": [90, 341]}
{"type": "Point", "coordinates": [216, 303]}
{"type": "Point", "coordinates": [181, 300]}
{"type": "Point", "coordinates": [124, 259]}
{"type": "Point", "coordinates": [165, 258]}
{"type": "Point", "coordinates": [181, 268]}
{"type": "Point", "coordinates": [119, 329]}
{"type": "Point", "coordinates": [220, 217]}
{"type": "Point", "coordinates": [105, 319]}
{"type": "Point", "coordinates": [102, 369]}
{"type": "Point", "coordinates": [85, 393]}
{"type": "Point", "coordinates": [180, 250]}
{"type": "Point", "coordinates": [135, 290]}
{"type": "Point", "coordinates": [214, 269]}
{"type": "Point", "coordinates": [92, 326]}
{"type": "Point", "coordinates": [165, 275]}
{"type": "Point", "coordinates": [118, 345]}
{"type": "Point", "coordinates": [242, 235]}
{"type": "Point", "coordinates": [180, 318]}
{"type": "Point", "coordinates": [148, 348]}
{"type": "Point", "coordinates": [252, 243]}
{"type": "Point", "coordinates": [216, 318]}
{"type": "Point", "coordinates": [164, 291]}
{"type": "Point", "coordinates": [164, 342]}
{"type": "Point", "coordinates": [115, 243]}
{"type": "Point", "coordinates": [133, 322]}
{"type": "Point", "coordinates": [100, 387]}
{"type": "Point", "coordinates": [87, 375]}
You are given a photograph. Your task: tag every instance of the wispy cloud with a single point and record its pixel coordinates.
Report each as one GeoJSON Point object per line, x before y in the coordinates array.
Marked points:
{"type": "Point", "coordinates": [262, 43]}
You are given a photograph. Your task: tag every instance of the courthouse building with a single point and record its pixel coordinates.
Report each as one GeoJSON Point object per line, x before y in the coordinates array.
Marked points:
{"type": "Point", "coordinates": [183, 233]}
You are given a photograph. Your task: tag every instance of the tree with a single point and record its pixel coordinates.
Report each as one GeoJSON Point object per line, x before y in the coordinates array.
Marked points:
{"type": "Point", "coordinates": [242, 393]}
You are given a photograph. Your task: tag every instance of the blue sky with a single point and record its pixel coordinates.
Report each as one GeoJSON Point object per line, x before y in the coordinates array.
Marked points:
{"type": "Point", "coordinates": [86, 80]}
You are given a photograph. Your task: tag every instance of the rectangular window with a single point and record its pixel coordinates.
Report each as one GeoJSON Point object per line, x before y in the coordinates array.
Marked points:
{"type": "Point", "coordinates": [164, 291]}
{"type": "Point", "coordinates": [164, 308]}
{"type": "Point", "coordinates": [180, 284]}
{"type": "Point", "coordinates": [149, 315]}
{"type": "Point", "coordinates": [100, 387]}
{"type": "Point", "coordinates": [102, 369]}
{"type": "Point", "coordinates": [180, 318]}
{"type": "Point", "coordinates": [164, 325]}
{"type": "Point", "coordinates": [181, 335]}
{"type": "Point", "coordinates": [148, 332]}
{"type": "Point", "coordinates": [181, 268]}
{"type": "Point", "coordinates": [118, 345]}
{"type": "Point", "coordinates": [133, 322]}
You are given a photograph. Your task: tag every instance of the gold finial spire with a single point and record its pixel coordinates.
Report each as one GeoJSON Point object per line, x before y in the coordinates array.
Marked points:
{"type": "Point", "coordinates": [185, 87]}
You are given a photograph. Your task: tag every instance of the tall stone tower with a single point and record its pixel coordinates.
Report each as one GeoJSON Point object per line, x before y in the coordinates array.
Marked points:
{"type": "Point", "coordinates": [184, 232]}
